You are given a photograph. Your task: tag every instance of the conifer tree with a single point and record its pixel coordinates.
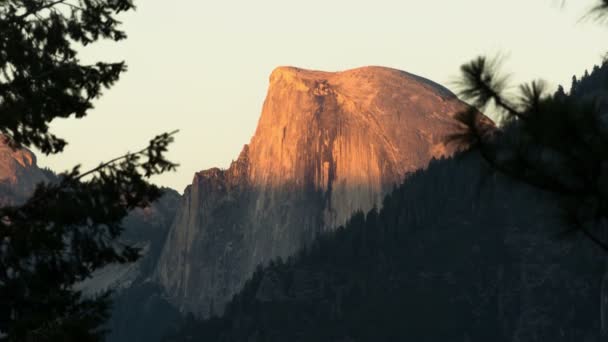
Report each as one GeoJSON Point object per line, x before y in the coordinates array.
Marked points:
{"type": "Point", "coordinates": [554, 142]}
{"type": "Point", "coordinates": [68, 228]}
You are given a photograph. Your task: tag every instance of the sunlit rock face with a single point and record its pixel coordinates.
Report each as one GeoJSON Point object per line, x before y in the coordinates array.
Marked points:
{"type": "Point", "coordinates": [19, 174]}
{"type": "Point", "coordinates": [326, 145]}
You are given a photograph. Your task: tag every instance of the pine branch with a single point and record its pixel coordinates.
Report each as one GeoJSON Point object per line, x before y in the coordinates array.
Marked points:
{"type": "Point", "coordinates": [40, 8]}
{"type": "Point", "coordinates": [117, 159]}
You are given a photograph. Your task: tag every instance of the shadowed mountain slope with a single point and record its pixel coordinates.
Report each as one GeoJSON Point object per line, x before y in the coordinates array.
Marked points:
{"type": "Point", "coordinates": [456, 253]}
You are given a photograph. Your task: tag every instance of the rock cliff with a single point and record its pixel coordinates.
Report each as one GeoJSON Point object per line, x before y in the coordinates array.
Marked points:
{"type": "Point", "coordinates": [19, 174]}
{"type": "Point", "coordinates": [326, 145]}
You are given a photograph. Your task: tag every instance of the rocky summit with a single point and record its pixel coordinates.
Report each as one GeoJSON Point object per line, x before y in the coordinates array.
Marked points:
{"type": "Point", "coordinates": [19, 174]}
{"type": "Point", "coordinates": [327, 144]}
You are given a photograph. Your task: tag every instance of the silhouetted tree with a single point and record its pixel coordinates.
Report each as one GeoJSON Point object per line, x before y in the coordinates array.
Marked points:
{"type": "Point", "coordinates": [561, 93]}
{"type": "Point", "coordinates": [573, 85]}
{"type": "Point", "coordinates": [599, 11]}
{"type": "Point", "coordinates": [69, 227]}
{"type": "Point", "coordinates": [554, 142]}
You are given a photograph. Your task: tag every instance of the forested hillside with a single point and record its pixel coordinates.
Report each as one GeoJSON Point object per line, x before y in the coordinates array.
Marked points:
{"type": "Point", "coordinates": [458, 252]}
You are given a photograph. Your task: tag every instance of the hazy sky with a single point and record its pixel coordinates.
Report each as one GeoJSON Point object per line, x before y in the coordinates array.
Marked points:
{"type": "Point", "coordinates": [202, 66]}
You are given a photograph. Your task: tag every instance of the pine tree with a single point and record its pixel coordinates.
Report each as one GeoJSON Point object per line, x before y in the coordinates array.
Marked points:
{"type": "Point", "coordinates": [560, 93]}
{"type": "Point", "coordinates": [69, 228]}
{"type": "Point", "coordinates": [574, 85]}
{"type": "Point", "coordinates": [553, 142]}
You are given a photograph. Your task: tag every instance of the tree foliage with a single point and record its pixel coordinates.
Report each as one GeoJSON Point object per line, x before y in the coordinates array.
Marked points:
{"type": "Point", "coordinates": [68, 228]}
{"type": "Point", "coordinates": [557, 142]}
{"type": "Point", "coordinates": [41, 77]}
{"type": "Point", "coordinates": [599, 11]}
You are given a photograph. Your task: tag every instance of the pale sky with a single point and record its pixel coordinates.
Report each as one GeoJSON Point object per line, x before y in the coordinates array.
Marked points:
{"type": "Point", "coordinates": [203, 66]}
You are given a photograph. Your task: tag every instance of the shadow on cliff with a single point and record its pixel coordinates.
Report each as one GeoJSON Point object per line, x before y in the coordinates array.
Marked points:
{"type": "Point", "coordinates": [240, 227]}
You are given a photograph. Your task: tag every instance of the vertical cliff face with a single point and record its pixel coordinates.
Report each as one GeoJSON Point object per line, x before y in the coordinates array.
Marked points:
{"type": "Point", "coordinates": [327, 144]}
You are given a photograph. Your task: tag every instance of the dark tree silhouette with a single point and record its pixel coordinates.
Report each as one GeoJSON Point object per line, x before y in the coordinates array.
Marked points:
{"type": "Point", "coordinates": [556, 142]}
{"type": "Point", "coordinates": [68, 228]}
{"type": "Point", "coordinates": [41, 77]}
{"type": "Point", "coordinates": [600, 11]}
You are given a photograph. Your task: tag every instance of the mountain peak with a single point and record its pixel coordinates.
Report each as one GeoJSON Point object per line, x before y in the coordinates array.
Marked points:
{"type": "Point", "coordinates": [8, 156]}
{"type": "Point", "coordinates": [354, 77]}
{"type": "Point", "coordinates": [400, 118]}
{"type": "Point", "coordinates": [327, 144]}
{"type": "Point", "coordinates": [19, 173]}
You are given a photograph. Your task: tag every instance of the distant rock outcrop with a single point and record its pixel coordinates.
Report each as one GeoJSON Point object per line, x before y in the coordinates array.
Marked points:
{"type": "Point", "coordinates": [19, 174]}
{"type": "Point", "coordinates": [137, 303]}
{"type": "Point", "coordinates": [145, 228]}
{"type": "Point", "coordinates": [326, 145]}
